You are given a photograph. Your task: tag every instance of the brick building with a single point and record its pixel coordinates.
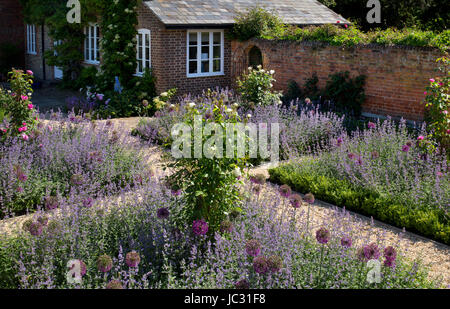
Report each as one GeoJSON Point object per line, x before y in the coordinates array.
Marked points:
{"type": "Point", "coordinates": [11, 32]}
{"type": "Point", "coordinates": [184, 42]}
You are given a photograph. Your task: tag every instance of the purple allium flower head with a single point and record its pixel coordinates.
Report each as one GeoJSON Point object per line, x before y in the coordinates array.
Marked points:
{"type": "Point", "coordinates": [371, 251]}
{"type": "Point", "coordinates": [371, 125]}
{"type": "Point", "coordinates": [43, 220]}
{"type": "Point", "coordinates": [257, 189]}
{"type": "Point", "coordinates": [339, 141]}
{"type": "Point", "coordinates": [389, 263]}
{"type": "Point", "coordinates": [390, 253]}
{"type": "Point", "coordinates": [405, 148]}
{"type": "Point", "coordinates": [309, 198]}
{"type": "Point", "coordinates": [351, 155]}
{"type": "Point", "coordinates": [252, 247]}
{"type": "Point", "coordinates": [375, 154]}
{"type": "Point", "coordinates": [323, 235]}
{"type": "Point", "coordinates": [132, 259]}
{"type": "Point", "coordinates": [22, 177]}
{"type": "Point", "coordinates": [275, 263]}
{"type": "Point", "coordinates": [200, 227]}
{"type": "Point", "coordinates": [162, 213]}
{"type": "Point", "coordinates": [360, 254]}
{"type": "Point", "coordinates": [19, 189]}
{"type": "Point", "coordinates": [114, 285]}
{"type": "Point", "coordinates": [296, 200]}
{"type": "Point", "coordinates": [104, 263]}
{"type": "Point", "coordinates": [35, 228]}
{"type": "Point", "coordinates": [346, 242]}
{"type": "Point", "coordinates": [285, 191]}
{"type": "Point", "coordinates": [51, 202]}
{"type": "Point", "coordinates": [87, 202]}
{"type": "Point", "coordinates": [226, 226]}
{"type": "Point", "coordinates": [260, 265]}
{"type": "Point", "coordinates": [258, 179]}
{"type": "Point", "coordinates": [76, 179]}
{"type": "Point", "coordinates": [242, 284]}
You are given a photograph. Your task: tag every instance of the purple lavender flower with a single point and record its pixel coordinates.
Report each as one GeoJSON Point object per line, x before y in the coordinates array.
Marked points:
{"type": "Point", "coordinates": [360, 254]}
{"type": "Point", "coordinates": [76, 179]}
{"type": "Point", "coordinates": [260, 265]}
{"type": "Point", "coordinates": [114, 285]}
{"type": "Point", "coordinates": [162, 213]}
{"type": "Point", "coordinates": [88, 202]}
{"type": "Point", "coordinates": [351, 155]}
{"type": "Point", "coordinates": [252, 247]}
{"type": "Point", "coordinates": [371, 251]}
{"type": "Point", "coordinates": [257, 189]}
{"type": "Point", "coordinates": [346, 242]}
{"type": "Point", "coordinates": [296, 200]}
{"type": "Point", "coordinates": [104, 263]}
{"type": "Point", "coordinates": [259, 179]}
{"type": "Point", "coordinates": [51, 202]}
{"type": "Point", "coordinates": [322, 235]}
{"type": "Point", "coordinates": [43, 220]}
{"type": "Point", "coordinates": [339, 141]}
{"type": "Point", "coordinates": [242, 284]}
{"type": "Point", "coordinates": [132, 259]}
{"type": "Point", "coordinates": [285, 191]}
{"type": "Point", "coordinates": [389, 263]}
{"type": "Point", "coordinates": [200, 227]}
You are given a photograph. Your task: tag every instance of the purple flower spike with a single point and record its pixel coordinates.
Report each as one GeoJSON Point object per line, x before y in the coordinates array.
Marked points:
{"type": "Point", "coordinates": [252, 247]}
{"type": "Point", "coordinates": [346, 242]}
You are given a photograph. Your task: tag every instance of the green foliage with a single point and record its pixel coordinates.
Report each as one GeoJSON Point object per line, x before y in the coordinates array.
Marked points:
{"type": "Point", "coordinates": [255, 22]}
{"type": "Point", "coordinates": [347, 93]}
{"type": "Point", "coordinates": [210, 182]}
{"type": "Point", "coordinates": [15, 105]}
{"type": "Point", "coordinates": [437, 105]}
{"type": "Point", "coordinates": [368, 202]}
{"type": "Point", "coordinates": [255, 88]}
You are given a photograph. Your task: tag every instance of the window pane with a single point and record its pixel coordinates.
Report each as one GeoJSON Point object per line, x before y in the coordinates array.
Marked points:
{"type": "Point", "coordinates": [205, 66]}
{"type": "Point", "coordinates": [205, 52]}
{"type": "Point", "coordinates": [192, 67]}
{"type": "Point", "coordinates": [205, 38]}
{"type": "Point", "coordinates": [193, 38]}
{"type": "Point", "coordinates": [216, 37]}
{"type": "Point", "coordinates": [216, 65]}
{"type": "Point", "coordinates": [193, 53]}
{"type": "Point", "coordinates": [216, 52]}
{"type": "Point", "coordinates": [140, 70]}
{"type": "Point", "coordinates": [147, 63]}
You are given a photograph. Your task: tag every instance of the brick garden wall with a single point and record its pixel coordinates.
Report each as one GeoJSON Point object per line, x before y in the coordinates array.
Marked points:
{"type": "Point", "coordinates": [396, 76]}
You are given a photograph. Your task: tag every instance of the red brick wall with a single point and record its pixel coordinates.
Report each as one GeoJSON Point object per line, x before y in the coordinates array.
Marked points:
{"type": "Point", "coordinates": [396, 76]}
{"type": "Point", "coordinates": [34, 62]}
{"type": "Point", "coordinates": [11, 23]}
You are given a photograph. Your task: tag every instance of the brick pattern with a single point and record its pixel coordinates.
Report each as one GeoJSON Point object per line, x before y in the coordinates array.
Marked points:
{"type": "Point", "coordinates": [168, 57]}
{"type": "Point", "coordinates": [396, 76]}
{"type": "Point", "coordinates": [34, 62]}
{"type": "Point", "coordinates": [11, 23]}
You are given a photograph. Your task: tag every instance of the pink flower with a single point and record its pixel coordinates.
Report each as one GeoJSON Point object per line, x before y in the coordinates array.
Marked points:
{"type": "Point", "coordinates": [371, 125]}
{"type": "Point", "coordinates": [445, 112]}
{"type": "Point", "coordinates": [25, 137]}
{"type": "Point", "coordinates": [30, 106]}
{"type": "Point", "coordinates": [425, 93]}
{"type": "Point", "coordinates": [439, 174]}
{"type": "Point", "coordinates": [23, 129]}
{"type": "Point", "coordinates": [346, 26]}
{"type": "Point", "coordinates": [432, 80]}
{"type": "Point", "coordinates": [29, 72]}
{"type": "Point", "coordinates": [420, 138]}
{"type": "Point", "coordinates": [448, 131]}
{"type": "Point", "coordinates": [405, 148]}
{"type": "Point", "coordinates": [24, 97]}
{"type": "Point", "coordinates": [338, 22]}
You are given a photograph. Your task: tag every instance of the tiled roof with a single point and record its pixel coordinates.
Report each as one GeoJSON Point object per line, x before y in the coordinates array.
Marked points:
{"type": "Point", "coordinates": [222, 12]}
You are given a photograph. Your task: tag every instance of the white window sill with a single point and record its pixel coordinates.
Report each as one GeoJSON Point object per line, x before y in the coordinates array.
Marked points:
{"type": "Point", "coordinates": [32, 53]}
{"type": "Point", "coordinates": [205, 74]}
{"type": "Point", "coordinates": [92, 62]}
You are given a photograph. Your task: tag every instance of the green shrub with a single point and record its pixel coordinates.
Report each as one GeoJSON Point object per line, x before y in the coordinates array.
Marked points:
{"type": "Point", "coordinates": [255, 88]}
{"type": "Point", "coordinates": [255, 22]}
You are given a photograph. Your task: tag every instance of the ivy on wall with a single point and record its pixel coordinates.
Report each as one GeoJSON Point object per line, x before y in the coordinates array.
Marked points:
{"type": "Point", "coordinates": [117, 20]}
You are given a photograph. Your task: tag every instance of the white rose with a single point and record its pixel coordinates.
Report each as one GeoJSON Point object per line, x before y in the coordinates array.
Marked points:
{"type": "Point", "coordinates": [191, 105]}
{"type": "Point", "coordinates": [249, 116]}
{"type": "Point", "coordinates": [237, 172]}
{"type": "Point", "coordinates": [272, 72]}
{"type": "Point", "coordinates": [235, 105]}
{"type": "Point", "coordinates": [164, 94]}
{"type": "Point", "coordinates": [228, 110]}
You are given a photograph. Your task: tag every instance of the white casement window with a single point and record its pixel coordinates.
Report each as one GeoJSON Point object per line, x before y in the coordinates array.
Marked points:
{"type": "Point", "coordinates": [92, 44]}
{"type": "Point", "coordinates": [143, 49]}
{"type": "Point", "coordinates": [31, 39]}
{"type": "Point", "coordinates": [205, 50]}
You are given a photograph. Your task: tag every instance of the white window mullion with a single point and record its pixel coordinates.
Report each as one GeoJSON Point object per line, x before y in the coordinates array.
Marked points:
{"type": "Point", "coordinates": [211, 56]}
{"type": "Point", "coordinates": [199, 52]}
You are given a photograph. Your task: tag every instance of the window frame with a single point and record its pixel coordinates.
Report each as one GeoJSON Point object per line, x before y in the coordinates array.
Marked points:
{"type": "Point", "coordinates": [143, 32]}
{"type": "Point", "coordinates": [88, 47]}
{"type": "Point", "coordinates": [31, 39]}
{"type": "Point", "coordinates": [211, 52]}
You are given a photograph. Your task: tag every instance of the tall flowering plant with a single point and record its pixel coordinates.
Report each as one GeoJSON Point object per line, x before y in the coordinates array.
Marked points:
{"type": "Point", "coordinates": [438, 105]}
{"type": "Point", "coordinates": [209, 182]}
{"type": "Point", "coordinates": [17, 111]}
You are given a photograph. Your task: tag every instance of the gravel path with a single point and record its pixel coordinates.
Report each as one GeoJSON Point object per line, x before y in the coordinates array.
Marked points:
{"type": "Point", "coordinates": [433, 254]}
